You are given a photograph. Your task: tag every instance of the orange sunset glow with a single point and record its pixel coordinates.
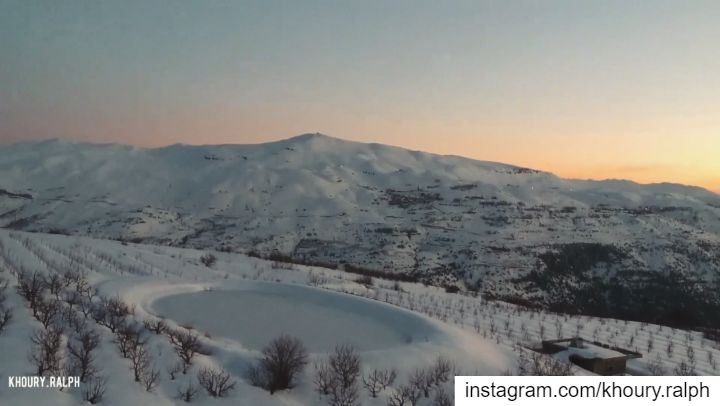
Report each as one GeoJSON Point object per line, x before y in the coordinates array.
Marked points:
{"type": "Point", "coordinates": [609, 90]}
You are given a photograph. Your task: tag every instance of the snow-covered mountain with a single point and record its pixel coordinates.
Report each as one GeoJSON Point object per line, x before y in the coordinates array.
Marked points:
{"type": "Point", "coordinates": [604, 247]}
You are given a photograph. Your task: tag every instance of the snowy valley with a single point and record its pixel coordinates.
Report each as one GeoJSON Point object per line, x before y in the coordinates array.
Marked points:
{"type": "Point", "coordinates": [605, 248]}
{"type": "Point", "coordinates": [317, 271]}
{"type": "Point", "coordinates": [414, 335]}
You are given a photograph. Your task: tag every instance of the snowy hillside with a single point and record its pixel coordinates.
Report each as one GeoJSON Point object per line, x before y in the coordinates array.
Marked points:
{"type": "Point", "coordinates": [398, 327]}
{"type": "Point", "coordinates": [599, 248]}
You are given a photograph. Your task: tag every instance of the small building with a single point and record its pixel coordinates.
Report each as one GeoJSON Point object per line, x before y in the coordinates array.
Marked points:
{"type": "Point", "coordinates": [595, 357]}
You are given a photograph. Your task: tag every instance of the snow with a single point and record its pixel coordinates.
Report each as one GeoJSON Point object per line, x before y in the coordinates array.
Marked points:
{"type": "Point", "coordinates": [255, 313]}
{"type": "Point", "coordinates": [480, 336]}
{"type": "Point", "coordinates": [589, 351]}
{"type": "Point", "coordinates": [489, 223]}
{"type": "Point", "coordinates": [171, 281]}
{"type": "Point", "coordinates": [330, 200]}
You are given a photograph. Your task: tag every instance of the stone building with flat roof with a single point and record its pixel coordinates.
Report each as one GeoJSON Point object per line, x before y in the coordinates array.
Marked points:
{"type": "Point", "coordinates": [595, 357]}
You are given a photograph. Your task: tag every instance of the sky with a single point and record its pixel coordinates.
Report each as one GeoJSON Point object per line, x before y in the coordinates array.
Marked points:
{"type": "Point", "coordinates": [585, 89]}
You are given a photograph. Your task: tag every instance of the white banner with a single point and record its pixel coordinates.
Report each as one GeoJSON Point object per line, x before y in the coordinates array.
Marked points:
{"type": "Point", "coordinates": [587, 390]}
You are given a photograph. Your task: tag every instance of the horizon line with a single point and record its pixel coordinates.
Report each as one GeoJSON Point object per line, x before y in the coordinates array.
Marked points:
{"type": "Point", "coordinates": [135, 145]}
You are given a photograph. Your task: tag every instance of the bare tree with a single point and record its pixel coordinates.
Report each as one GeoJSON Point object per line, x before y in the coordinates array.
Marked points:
{"type": "Point", "coordinates": [217, 382]}
{"type": "Point", "coordinates": [421, 380]}
{"type": "Point", "coordinates": [81, 348]}
{"type": "Point", "coordinates": [175, 369]}
{"type": "Point", "coordinates": [71, 298]}
{"type": "Point", "coordinates": [5, 317]}
{"type": "Point", "coordinates": [86, 307]}
{"type": "Point", "coordinates": [345, 364]}
{"type": "Point", "coordinates": [5, 313]}
{"type": "Point", "coordinates": [116, 305]}
{"type": "Point", "coordinates": [365, 280]}
{"type": "Point", "coordinates": [378, 380]}
{"type": "Point", "coordinates": [75, 320]}
{"type": "Point", "coordinates": [541, 365]}
{"type": "Point", "coordinates": [45, 353]}
{"type": "Point", "coordinates": [3, 288]}
{"type": "Point", "coordinates": [83, 287]}
{"type": "Point", "coordinates": [54, 283]}
{"type": "Point", "coordinates": [711, 360]}
{"type": "Point", "coordinates": [112, 313]}
{"type": "Point", "coordinates": [31, 288]}
{"type": "Point", "coordinates": [71, 277]}
{"type": "Point", "coordinates": [323, 379]}
{"type": "Point", "coordinates": [208, 259]}
{"type": "Point", "coordinates": [187, 393]}
{"type": "Point", "coordinates": [442, 398]}
{"type": "Point", "coordinates": [157, 326]}
{"type": "Point", "coordinates": [405, 395]}
{"type": "Point", "coordinates": [685, 369]}
{"type": "Point", "coordinates": [94, 390]}
{"type": "Point", "coordinates": [140, 360]}
{"type": "Point", "coordinates": [283, 359]}
{"type": "Point", "coordinates": [46, 311]}
{"type": "Point", "coordinates": [143, 370]}
{"type": "Point", "coordinates": [655, 367]}
{"type": "Point", "coordinates": [151, 378]}
{"type": "Point", "coordinates": [315, 279]}
{"type": "Point", "coordinates": [413, 395]}
{"type": "Point", "coordinates": [186, 344]}
{"type": "Point", "coordinates": [441, 371]}
{"type": "Point", "coordinates": [339, 375]}
{"type": "Point", "coordinates": [398, 398]}
{"type": "Point", "coordinates": [128, 338]}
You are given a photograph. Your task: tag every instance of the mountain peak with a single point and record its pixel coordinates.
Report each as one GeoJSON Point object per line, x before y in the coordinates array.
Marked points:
{"type": "Point", "coordinates": [315, 142]}
{"type": "Point", "coordinates": [311, 137]}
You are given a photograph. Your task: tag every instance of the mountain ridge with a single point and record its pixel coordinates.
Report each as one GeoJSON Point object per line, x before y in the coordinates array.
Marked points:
{"type": "Point", "coordinates": [308, 137]}
{"type": "Point", "coordinates": [447, 220]}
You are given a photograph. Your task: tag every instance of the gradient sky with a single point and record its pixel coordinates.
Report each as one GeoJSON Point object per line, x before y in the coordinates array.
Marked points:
{"type": "Point", "coordinates": [588, 89]}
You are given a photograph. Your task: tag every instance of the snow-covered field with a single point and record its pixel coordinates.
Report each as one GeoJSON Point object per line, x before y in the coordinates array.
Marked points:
{"type": "Point", "coordinates": [319, 318]}
{"type": "Point", "coordinates": [238, 304]}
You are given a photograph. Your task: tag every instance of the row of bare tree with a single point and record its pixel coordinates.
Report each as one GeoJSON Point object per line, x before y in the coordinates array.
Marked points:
{"type": "Point", "coordinates": [424, 382]}
{"type": "Point", "coordinates": [66, 304]}
{"type": "Point", "coordinates": [5, 311]}
{"type": "Point", "coordinates": [62, 303]}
